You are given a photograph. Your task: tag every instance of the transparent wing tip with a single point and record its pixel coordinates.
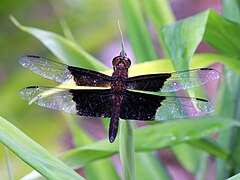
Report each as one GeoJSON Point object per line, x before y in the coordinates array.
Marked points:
{"type": "Point", "coordinates": [206, 107]}
{"type": "Point", "coordinates": [25, 61]}
{"type": "Point", "coordinates": [211, 73]}
{"type": "Point", "coordinates": [28, 94]}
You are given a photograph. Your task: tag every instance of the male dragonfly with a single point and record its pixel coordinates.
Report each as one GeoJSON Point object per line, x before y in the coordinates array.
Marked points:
{"type": "Point", "coordinates": [116, 98]}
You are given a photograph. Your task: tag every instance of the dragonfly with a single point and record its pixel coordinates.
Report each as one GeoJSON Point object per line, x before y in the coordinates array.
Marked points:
{"type": "Point", "coordinates": [117, 96]}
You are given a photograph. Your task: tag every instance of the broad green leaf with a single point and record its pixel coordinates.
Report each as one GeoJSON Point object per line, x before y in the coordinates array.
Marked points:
{"type": "Point", "coordinates": [64, 49]}
{"type": "Point", "coordinates": [33, 154]}
{"type": "Point", "coordinates": [183, 37]}
{"type": "Point", "coordinates": [138, 33]}
{"type": "Point", "coordinates": [151, 138]}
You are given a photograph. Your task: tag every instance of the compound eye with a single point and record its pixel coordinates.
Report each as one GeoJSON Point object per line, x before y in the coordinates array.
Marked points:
{"type": "Point", "coordinates": [128, 63]}
{"type": "Point", "coordinates": [115, 61]}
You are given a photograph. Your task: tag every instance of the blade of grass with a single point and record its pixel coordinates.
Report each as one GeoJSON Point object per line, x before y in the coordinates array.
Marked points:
{"type": "Point", "coordinates": [188, 156]}
{"type": "Point", "coordinates": [9, 169]}
{"type": "Point", "coordinates": [102, 169]}
{"type": "Point", "coordinates": [160, 13]}
{"type": "Point", "coordinates": [126, 149]}
{"type": "Point", "coordinates": [148, 162]}
{"type": "Point", "coordinates": [138, 33]}
{"type": "Point", "coordinates": [155, 137]}
{"type": "Point", "coordinates": [224, 107]}
{"type": "Point", "coordinates": [235, 177]}
{"type": "Point", "coordinates": [229, 100]}
{"type": "Point", "coordinates": [202, 169]}
{"type": "Point", "coordinates": [66, 30]}
{"type": "Point", "coordinates": [64, 49]}
{"type": "Point", "coordinates": [33, 154]}
{"type": "Point", "coordinates": [211, 147]}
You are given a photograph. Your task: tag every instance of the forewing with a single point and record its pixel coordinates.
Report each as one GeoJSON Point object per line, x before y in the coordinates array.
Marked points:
{"type": "Point", "coordinates": [172, 82]}
{"type": "Point", "coordinates": [63, 73]}
{"type": "Point", "coordinates": [142, 106]}
{"type": "Point", "coordinates": [94, 103]}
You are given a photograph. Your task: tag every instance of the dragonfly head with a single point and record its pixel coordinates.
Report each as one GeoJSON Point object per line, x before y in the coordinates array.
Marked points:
{"type": "Point", "coordinates": [121, 62]}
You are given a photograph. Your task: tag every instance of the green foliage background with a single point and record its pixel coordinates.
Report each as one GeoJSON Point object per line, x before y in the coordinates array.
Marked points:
{"type": "Point", "coordinates": [70, 31]}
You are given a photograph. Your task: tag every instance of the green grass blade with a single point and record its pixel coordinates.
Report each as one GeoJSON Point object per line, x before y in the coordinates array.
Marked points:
{"type": "Point", "coordinates": [138, 33]}
{"type": "Point", "coordinates": [235, 177]}
{"type": "Point", "coordinates": [160, 13]}
{"type": "Point", "coordinates": [203, 167]}
{"type": "Point", "coordinates": [62, 48]}
{"type": "Point", "coordinates": [211, 147]}
{"type": "Point", "coordinates": [148, 166]}
{"type": "Point", "coordinates": [10, 175]}
{"type": "Point", "coordinates": [33, 154]}
{"type": "Point", "coordinates": [66, 30]}
{"type": "Point", "coordinates": [151, 138]}
{"type": "Point", "coordinates": [224, 107]}
{"type": "Point", "coordinates": [126, 149]}
{"type": "Point", "coordinates": [231, 10]}
{"type": "Point", "coordinates": [102, 169]}
{"type": "Point", "coordinates": [188, 156]}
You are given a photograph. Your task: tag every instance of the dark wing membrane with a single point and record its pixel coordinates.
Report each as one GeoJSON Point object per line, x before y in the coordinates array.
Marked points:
{"type": "Point", "coordinates": [142, 106]}
{"type": "Point", "coordinates": [94, 103]}
{"type": "Point", "coordinates": [64, 74]}
{"type": "Point", "coordinates": [172, 82]}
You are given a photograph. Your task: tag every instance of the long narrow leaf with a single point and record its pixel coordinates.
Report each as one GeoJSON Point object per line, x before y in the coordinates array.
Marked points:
{"type": "Point", "coordinates": [160, 13]}
{"type": "Point", "coordinates": [148, 167]}
{"type": "Point", "coordinates": [126, 149]}
{"type": "Point", "coordinates": [33, 154]}
{"type": "Point", "coordinates": [102, 169]}
{"type": "Point", "coordinates": [63, 48]}
{"type": "Point", "coordinates": [137, 30]}
{"type": "Point", "coordinates": [151, 138]}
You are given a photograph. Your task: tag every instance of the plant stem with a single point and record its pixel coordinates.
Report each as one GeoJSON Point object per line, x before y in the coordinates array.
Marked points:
{"type": "Point", "coordinates": [126, 149]}
{"type": "Point", "coordinates": [8, 164]}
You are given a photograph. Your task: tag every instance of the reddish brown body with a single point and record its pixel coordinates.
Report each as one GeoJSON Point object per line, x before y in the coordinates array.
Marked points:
{"type": "Point", "coordinates": [120, 73]}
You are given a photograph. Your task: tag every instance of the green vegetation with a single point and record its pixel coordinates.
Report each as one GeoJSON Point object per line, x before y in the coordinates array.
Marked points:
{"type": "Point", "coordinates": [190, 140]}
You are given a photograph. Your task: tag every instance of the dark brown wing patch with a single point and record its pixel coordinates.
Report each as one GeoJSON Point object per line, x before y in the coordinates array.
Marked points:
{"type": "Point", "coordinates": [86, 77]}
{"type": "Point", "coordinates": [140, 106]}
{"type": "Point", "coordinates": [93, 103]}
{"type": "Point", "coordinates": [151, 82]}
